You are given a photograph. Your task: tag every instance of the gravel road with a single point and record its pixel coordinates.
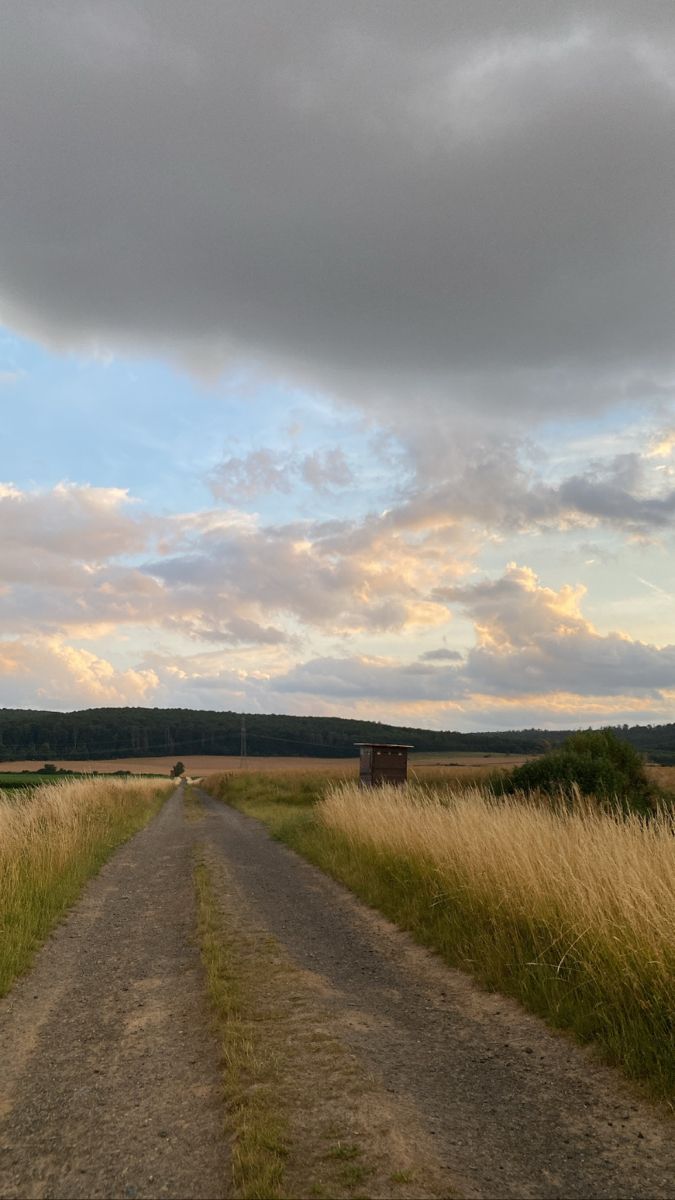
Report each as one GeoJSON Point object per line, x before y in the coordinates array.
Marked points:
{"type": "Point", "coordinates": [109, 1080]}
{"type": "Point", "coordinates": [110, 1083]}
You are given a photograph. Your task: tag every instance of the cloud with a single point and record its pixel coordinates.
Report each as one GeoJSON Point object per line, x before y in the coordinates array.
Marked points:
{"type": "Point", "coordinates": [237, 479]}
{"type": "Point", "coordinates": [326, 469]}
{"type": "Point", "coordinates": [535, 640]}
{"type": "Point", "coordinates": [500, 486]}
{"type": "Point", "coordinates": [338, 577]}
{"type": "Point", "coordinates": [534, 652]}
{"type": "Point", "coordinates": [467, 206]}
{"type": "Point", "coordinates": [74, 521]}
{"type": "Point", "coordinates": [368, 678]}
{"type": "Point", "coordinates": [51, 673]}
{"type": "Point", "coordinates": [614, 493]}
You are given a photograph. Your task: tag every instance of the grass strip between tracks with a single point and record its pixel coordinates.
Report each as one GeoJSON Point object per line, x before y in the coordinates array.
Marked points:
{"type": "Point", "coordinates": [304, 1117]}
{"type": "Point", "coordinates": [257, 1128]}
{"type": "Point", "coordinates": [51, 843]}
{"type": "Point", "coordinates": [571, 914]}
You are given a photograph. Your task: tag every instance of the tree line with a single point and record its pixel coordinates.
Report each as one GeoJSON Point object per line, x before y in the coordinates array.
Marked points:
{"type": "Point", "coordinates": [141, 732]}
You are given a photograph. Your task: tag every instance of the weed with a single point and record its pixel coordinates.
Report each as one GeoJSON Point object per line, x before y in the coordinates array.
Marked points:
{"type": "Point", "coordinates": [345, 1153]}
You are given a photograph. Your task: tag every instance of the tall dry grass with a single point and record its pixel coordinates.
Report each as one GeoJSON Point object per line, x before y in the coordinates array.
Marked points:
{"type": "Point", "coordinates": [51, 842]}
{"type": "Point", "coordinates": [572, 912]}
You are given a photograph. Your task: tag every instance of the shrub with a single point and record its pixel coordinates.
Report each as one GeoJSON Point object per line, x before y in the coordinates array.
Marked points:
{"type": "Point", "coordinates": [595, 763]}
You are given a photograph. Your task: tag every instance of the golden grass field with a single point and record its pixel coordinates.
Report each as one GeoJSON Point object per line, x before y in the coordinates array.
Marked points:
{"type": "Point", "coordinates": [571, 910]}
{"type": "Point", "coordinates": [52, 839]}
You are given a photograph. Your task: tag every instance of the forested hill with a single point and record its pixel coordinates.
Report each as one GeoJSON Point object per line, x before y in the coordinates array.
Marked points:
{"type": "Point", "coordinates": [127, 732]}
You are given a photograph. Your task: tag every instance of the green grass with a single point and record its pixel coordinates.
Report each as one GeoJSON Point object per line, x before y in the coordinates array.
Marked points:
{"type": "Point", "coordinates": [13, 780]}
{"type": "Point", "coordinates": [600, 983]}
{"type": "Point", "coordinates": [52, 840]}
{"type": "Point", "coordinates": [9, 780]}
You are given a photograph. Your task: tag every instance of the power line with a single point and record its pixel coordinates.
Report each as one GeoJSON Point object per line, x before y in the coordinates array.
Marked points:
{"type": "Point", "coordinates": [242, 757]}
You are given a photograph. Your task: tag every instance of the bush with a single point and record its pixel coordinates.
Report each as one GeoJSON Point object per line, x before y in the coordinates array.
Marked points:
{"type": "Point", "coordinates": [597, 764]}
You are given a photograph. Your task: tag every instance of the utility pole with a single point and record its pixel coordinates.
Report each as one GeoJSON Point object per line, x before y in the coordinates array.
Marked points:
{"type": "Point", "coordinates": [242, 759]}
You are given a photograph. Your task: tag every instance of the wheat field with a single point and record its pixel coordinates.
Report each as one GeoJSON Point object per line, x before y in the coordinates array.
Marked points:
{"type": "Point", "coordinates": [573, 912]}
{"type": "Point", "coordinates": [51, 842]}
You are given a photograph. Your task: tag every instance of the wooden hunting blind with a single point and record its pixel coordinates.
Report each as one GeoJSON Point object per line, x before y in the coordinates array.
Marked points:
{"type": "Point", "coordinates": [382, 763]}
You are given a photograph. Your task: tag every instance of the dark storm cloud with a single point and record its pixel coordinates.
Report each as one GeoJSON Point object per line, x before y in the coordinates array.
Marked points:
{"type": "Point", "coordinates": [373, 195]}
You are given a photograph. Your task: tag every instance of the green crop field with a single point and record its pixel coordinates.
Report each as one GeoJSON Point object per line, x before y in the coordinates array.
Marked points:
{"type": "Point", "coordinates": [12, 780]}
{"type": "Point", "coordinates": [27, 779]}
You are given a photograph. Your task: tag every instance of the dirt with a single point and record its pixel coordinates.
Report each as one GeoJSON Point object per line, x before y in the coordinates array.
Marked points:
{"type": "Point", "coordinates": [110, 1073]}
{"type": "Point", "coordinates": [111, 1084]}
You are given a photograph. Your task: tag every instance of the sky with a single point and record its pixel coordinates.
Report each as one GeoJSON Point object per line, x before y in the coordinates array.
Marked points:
{"type": "Point", "coordinates": [337, 366]}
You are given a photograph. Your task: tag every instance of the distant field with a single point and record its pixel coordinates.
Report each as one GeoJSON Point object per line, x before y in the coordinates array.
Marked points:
{"type": "Point", "coordinates": [10, 780]}
{"type": "Point", "coordinates": [441, 767]}
{"type": "Point", "coordinates": [208, 764]}
{"type": "Point", "coordinates": [195, 764]}
{"type": "Point", "coordinates": [463, 758]}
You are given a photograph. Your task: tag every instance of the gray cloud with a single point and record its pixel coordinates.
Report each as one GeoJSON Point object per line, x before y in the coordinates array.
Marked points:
{"type": "Point", "coordinates": [237, 479]}
{"type": "Point", "coordinates": [358, 678]}
{"type": "Point", "coordinates": [472, 202]}
{"type": "Point", "coordinates": [613, 496]}
{"type": "Point", "coordinates": [491, 483]}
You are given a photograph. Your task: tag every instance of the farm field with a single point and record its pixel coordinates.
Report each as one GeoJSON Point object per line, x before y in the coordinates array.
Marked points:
{"type": "Point", "coordinates": [195, 764]}
{"type": "Point", "coordinates": [53, 838]}
{"type": "Point", "coordinates": [204, 764]}
{"type": "Point", "coordinates": [11, 780]}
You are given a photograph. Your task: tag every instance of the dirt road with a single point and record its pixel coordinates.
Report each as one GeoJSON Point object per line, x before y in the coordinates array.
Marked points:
{"type": "Point", "coordinates": [109, 1080]}
{"type": "Point", "coordinates": [113, 1087]}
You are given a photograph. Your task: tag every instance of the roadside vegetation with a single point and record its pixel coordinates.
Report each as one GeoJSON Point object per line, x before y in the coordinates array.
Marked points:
{"type": "Point", "coordinates": [53, 838]}
{"type": "Point", "coordinates": [592, 763]}
{"type": "Point", "coordinates": [567, 906]}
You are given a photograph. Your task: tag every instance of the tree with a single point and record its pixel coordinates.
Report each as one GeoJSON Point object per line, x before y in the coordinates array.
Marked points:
{"type": "Point", "coordinates": [595, 762]}
{"type": "Point", "coordinates": [178, 770]}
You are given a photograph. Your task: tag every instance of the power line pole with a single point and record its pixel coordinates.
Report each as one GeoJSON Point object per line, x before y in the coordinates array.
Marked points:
{"type": "Point", "coordinates": [242, 758]}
